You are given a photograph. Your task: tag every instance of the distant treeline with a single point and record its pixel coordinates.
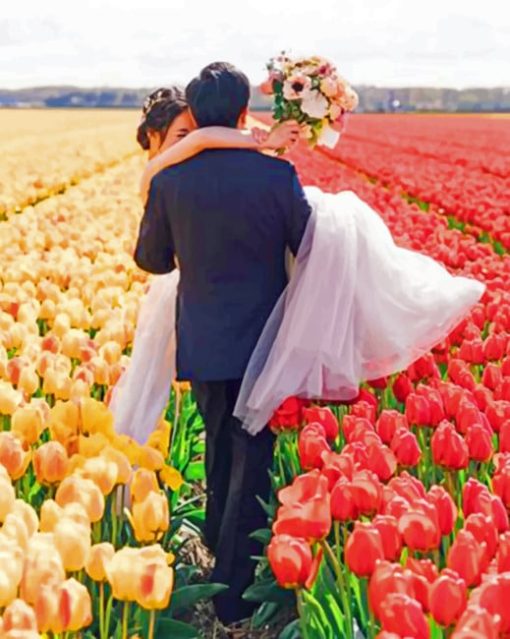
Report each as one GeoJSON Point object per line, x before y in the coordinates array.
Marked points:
{"type": "Point", "coordinates": [372, 99]}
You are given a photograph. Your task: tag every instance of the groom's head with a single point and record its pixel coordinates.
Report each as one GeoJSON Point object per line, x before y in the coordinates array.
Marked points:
{"type": "Point", "coordinates": [219, 96]}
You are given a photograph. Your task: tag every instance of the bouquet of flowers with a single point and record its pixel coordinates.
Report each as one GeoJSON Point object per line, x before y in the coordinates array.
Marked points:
{"type": "Point", "coordinates": [311, 91]}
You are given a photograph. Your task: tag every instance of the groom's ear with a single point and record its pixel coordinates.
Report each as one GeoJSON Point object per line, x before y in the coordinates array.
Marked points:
{"type": "Point", "coordinates": [241, 123]}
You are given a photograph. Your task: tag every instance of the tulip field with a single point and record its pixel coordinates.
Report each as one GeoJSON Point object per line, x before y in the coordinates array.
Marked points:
{"type": "Point", "coordinates": [390, 514]}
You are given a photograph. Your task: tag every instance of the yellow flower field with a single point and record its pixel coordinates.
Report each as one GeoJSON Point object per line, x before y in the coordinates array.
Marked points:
{"type": "Point", "coordinates": [85, 514]}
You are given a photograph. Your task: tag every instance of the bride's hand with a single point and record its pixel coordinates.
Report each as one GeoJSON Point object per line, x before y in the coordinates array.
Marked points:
{"type": "Point", "coordinates": [283, 135]}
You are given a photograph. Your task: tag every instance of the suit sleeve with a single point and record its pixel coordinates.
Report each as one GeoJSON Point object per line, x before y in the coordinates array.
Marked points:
{"type": "Point", "coordinates": [155, 252]}
{"type": "Point", "coordinates": [298, 213]}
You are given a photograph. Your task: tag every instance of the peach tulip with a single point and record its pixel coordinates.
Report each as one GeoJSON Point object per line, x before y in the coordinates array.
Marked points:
{"type": "Point", "coordinates": [99, 556]}
{"type": "Point", "coordinates": [124, 469]}
{"type": "Point", "coordinates": [50, 463]}
{"type": "Point", "coordinates": [51, 513]}
{"type": "Point", "coordinates": [25, 512]}
{"type": "Point", "coordinates": [8, 588]}
{"type": "Point", "coordinates": [28, 381]}
{"type": "Point", "coordinates": [102, 472]}
{"type": "Point", "coordinates": [10, 399]}
{"type": "Point", "coordinates": [43, 565]}
{"type": "Point", "coordinates": [85, 492]}
{"type": "Point", "coordinates": [150, 518]}
{"type": "Point", "coordinates": [19, 616]}
{"type": "Point", "coordinates": [7, 497]}
{"type": "Point", "coordinates": [15, 528]}
{"type": "Point", "coordinates": [72, 540]}
{"type": "Point", "coordinates": [123, 572]}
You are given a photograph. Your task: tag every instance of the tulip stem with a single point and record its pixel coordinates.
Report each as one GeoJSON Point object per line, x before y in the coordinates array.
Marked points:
{"type": "Point", "coordinates": [152, 624]}
{"type": "Point", "coordinates": [114, 518]}
{"type": "Point", "coordinates": [125, 618]}
{"type": "Point", "coordinates": [101, 611]}
{"type": "Point", "coordinates": [302, 614]}
{"type": "Point", "coordinates": [337, 567]}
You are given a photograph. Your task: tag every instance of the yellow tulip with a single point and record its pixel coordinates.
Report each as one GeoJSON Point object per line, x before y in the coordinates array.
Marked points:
{"type": "Point", "coordinates": [93, 445]}
{"type": "Point", "coordinates": [43, 565]}
{"type": "Point", "coordinates": [72, 540]}
{"type": "Point", "coordinates": [171, 477]}
{"type": "Point", "coordinates": [144, 482]}
{"type": "Point", "coordinates": [124, 469]}
{"type": "Point", "coordinates": [122, 572]}
{"type": "Point", "coordinates": [10, 399]}
{"type": "Point", "coordinates": [25, 512]}
{"type": "Point", "coordinates": [156, 585]}
{"type": "Point", "coordinates": [96, 418]}
{"type": "Point", "coordinates": [7, 497]}
{"type": "Point", "coordinates": [150, 518]}
{"type": "Point", "coordinates": [150, 458]}
{"type": "Point", "coordinates": [27, 423]}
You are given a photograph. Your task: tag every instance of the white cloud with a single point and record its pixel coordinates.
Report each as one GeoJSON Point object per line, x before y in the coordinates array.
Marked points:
{"type": "Point", "coordinates": [154, 42]}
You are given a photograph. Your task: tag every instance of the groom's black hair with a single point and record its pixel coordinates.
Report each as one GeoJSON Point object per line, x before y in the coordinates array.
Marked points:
{"type": "Point", "coordinates": [218, 95]}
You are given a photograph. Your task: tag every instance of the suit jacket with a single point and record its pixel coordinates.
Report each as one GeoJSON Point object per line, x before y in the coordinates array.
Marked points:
{"type": "Point", "coordinates": [227, 215]}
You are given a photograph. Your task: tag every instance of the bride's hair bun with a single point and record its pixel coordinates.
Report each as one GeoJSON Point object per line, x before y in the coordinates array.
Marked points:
{"type": "Point", "coordinates": [159, 110]}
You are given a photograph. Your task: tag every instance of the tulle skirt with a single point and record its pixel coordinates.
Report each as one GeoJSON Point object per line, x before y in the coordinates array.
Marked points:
{"type": "Point", "coordinates": [357, 307]}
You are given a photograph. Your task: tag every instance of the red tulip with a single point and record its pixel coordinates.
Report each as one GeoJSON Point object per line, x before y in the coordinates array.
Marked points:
{"type": "Point", "coordinates": [482, 396]}
{"type": "Point", "coordinates": [452, 396]}
{"type": "Point", "coordinates": [479, 443]}
{"type": "Point", "coordinates": [494, 347]}
{"type": "Point", "coordinates": [501, 485]}
{"type": "Point", "coordinates": [292, 562]}
{"type": "Point", "coordinates": [503, 553]}
{"type": "Point", "coordinates": [493, 595]}
{"type": "Point", "coordinates": [492, 376]}
{"type": "Point", "coordinates": [343, 507]}
{"type": "Point", "coordinates": [388, 423]}
{"type": "Point", "coordinates": [471, 495]}
{"type": "Point", "coordinates": [408, 487]}
{"type": "Point", "coordinates": [380, 384]}
{"type": "Point", "coordinates": [497, 413]}
{"type": "Point", "coordinates": [400, 613]}
{"type": "Point", "coordinates": [419, 527]}
{"type": "Point", "coordinates": [483, 529]}
{"type": "Point", "coordinates": [504, 437]}
{"type": "Point", "coordinates": [402, 387]}
{"type": "Point", "coordinates": [446, 508]}
{"type": "Point", "coordinates": [310, 520]}
{"type": "Point", "coordinates": [466, 415]}
{"type": "Point", "coordinates": [386, 579]}
{"type": "Point", "coordinates": [312, 443]}
{"type": "Point", "coordinates": [424, 567]}
{"type": "Point", "coordinates": [448, 598]}
{"type": "Point", "coordinates": [421, 588]}
{"type": "Point", "coordinates": [363, 549]}
{"type": "Point", "coordinates": [468, 557]}
{"type": "Point", "coordinates": [366, 492]}
{"type": "Point", "coordinates": [435, 401]}
{"type": "Point", "coordinates": [289, 415]}
{"type": "Point", "coordinates": [381, 461]}
{"type": "Point", "coordinates": [335, 466]}
{"type": "Point", "coordinates": [418, 410]}
{"type": "Point", "coordinates": [477, 623]}
{"type": "Point", "coordinates": [406, 448]}
{"type": "Point", "coordinates": [366, 407]}
{"type": "Point", "coordinates": [448, 447]}
{"type": "Point", "coordinates": [325, 417]}
{"type": "Point", "coordinates": [471, 351]}
{"type": "Point", "coordinates": [353, 427]}
{"type": "Point", "coordinates": [304, 487]}
{"type": "Point", "coordinates": [390, 536]}
{"type": "Point", "coordinates": [426, 367]}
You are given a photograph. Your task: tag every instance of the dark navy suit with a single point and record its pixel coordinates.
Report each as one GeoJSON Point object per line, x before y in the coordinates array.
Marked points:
{"type": "Point", "coordinates": [228, 217]}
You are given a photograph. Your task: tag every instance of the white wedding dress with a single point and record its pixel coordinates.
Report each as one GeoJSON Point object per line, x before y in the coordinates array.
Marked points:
{"type": "Point", "coordinates": [357, 307]}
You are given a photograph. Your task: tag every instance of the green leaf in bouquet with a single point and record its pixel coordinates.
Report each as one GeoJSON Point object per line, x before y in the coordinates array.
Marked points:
{"type": "Point", "coordinates": [167, 628]}
{"type": "Point", "coordinates": [185, 598]}
{"type": "Point", "coordinates": [268, 590]}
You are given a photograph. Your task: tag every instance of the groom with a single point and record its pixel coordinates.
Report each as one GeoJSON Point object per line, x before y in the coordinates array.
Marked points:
{"type": "Point", "coordinates": [227, 216]}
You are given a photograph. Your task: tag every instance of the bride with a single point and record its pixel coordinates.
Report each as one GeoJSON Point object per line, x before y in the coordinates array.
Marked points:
{"type": "Point", "coordinates": [357, 306]}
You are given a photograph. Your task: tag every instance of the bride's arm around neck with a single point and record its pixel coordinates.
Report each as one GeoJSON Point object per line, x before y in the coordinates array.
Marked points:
{"type": "Point", "coordinates": [215, 137]}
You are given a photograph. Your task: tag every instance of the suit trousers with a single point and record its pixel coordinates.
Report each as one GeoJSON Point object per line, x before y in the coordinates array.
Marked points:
{"type": "Point", "coordinates": [237, 470]}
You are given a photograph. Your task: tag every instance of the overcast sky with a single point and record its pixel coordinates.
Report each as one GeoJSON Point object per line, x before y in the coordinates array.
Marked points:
{"type": "Point", "coordinates": [144, 43]}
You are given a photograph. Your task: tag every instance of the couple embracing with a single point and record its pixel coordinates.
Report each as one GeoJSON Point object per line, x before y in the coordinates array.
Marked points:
{"type": "Point", "coordinates": [228, 314]}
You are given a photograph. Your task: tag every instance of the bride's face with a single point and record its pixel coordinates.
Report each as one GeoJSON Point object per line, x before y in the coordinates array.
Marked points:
{"type": "Point", "coordinates": [179, 128]}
